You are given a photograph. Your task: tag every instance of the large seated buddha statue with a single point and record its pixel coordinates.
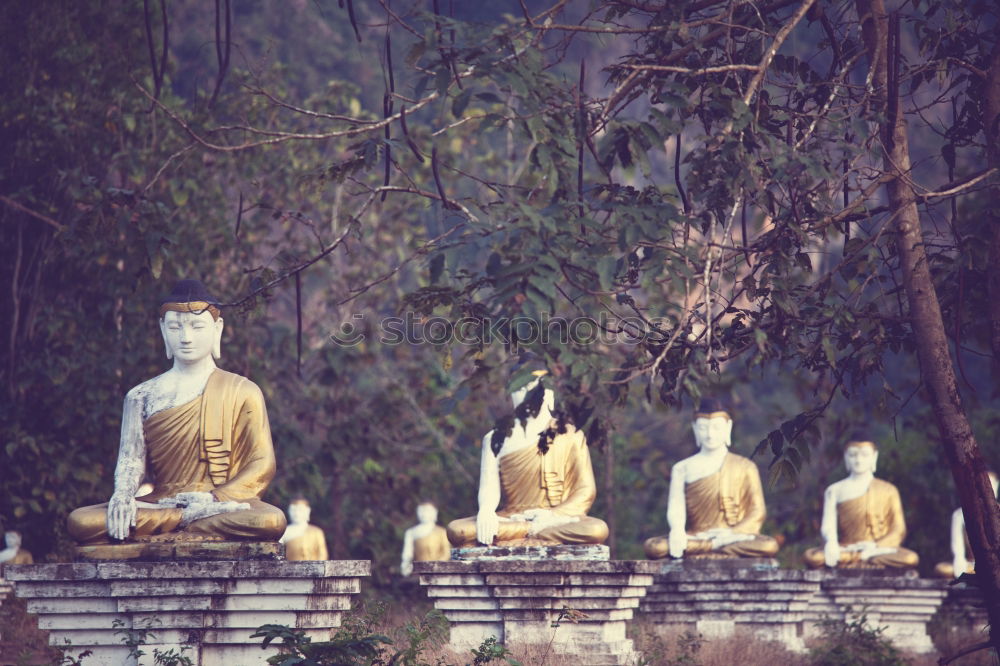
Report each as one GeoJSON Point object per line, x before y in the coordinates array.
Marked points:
{"type": "Point", "coordinates": [536, 482]}
{"type": "Point", "coordinates": [863, 525]}
{"type": "Point", "coordinates": [715, 505]}
{"type": "Point", "coordinates": [200, 434]}
{"type": "Point", "coordinates": [961, 550]}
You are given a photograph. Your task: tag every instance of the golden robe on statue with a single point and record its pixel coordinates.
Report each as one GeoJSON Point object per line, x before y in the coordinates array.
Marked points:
{"type": "Point", "coordinates": [219, 442]}
{"type": "Point", "coordinates": [561, 479]}
{"type": "Point", "coordinates": [432, 548]}
{"type": "Point", "coordinates": [308, 547]}
{"type": "Point", "coordinates": [731, 498]}
{"type": "Point", "coordinates": [875, 516]}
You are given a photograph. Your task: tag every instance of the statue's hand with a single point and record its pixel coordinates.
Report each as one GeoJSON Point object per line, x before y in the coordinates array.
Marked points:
{"type": "Point", "coordinates": [831, 553]}
{"type": "Point", "coordinates": [487, 527]}
{"type": "Point", "coordinates": [961, 566]}
{"type": "Point", "coordinates": [537, 514]}
{"type": "Point", "coordinates": [678, 542]}
{"type": "Point", "coordinates": [406, 568]}
{"type": "Point", "coordinates": [540, 520]}
{"type": "Point", "coordinates": [199, 510]}
{"type": "Point", "coordinates": [868, 549]}
{"type": "Point", "coordinates": [192, 498]}
{"type": "Point", "coordinates": [122, 512]}
{"type": "Point", "coordinates": [723, 536]}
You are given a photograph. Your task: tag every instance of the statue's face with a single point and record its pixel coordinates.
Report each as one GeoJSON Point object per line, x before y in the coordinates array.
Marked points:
{"type": "Point", "coordinates": [713, 433]}
{"type": "Point", "coordinates": [299, 512]}
{"type": "Point", "coordinates": [426, 513]}
{"type": "Point", "coordinates": [860, 458]}
{"type": "Point", "coordinates": [518, 396]}
{"type": "Point", "coordinates": [190, 337]}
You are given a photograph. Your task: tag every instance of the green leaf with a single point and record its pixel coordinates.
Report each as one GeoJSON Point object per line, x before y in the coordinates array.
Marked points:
{"type": "Point", "coordinates": [156, 265]}
{"type": "Point", "coordinates": [776, 441]}
{"type": "Point", "coordinates": [489, 98]}
{"type": "Point", "coordinates": [606, 272]}
{"type": "Point", "coordinates": [414, 53]}
{"type": "Point", "coordinates": [460, 103]}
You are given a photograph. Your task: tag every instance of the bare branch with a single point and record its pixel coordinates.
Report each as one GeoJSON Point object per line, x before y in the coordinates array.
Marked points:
{"type": "Point", "coordinates": [24, 209]}
{"type": "Point", "coordinates": [279, 137]}
{"type": "Point", "coordinates": [736, 67]}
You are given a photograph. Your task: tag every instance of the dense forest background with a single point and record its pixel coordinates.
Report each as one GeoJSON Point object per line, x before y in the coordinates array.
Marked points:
{"type": "Point", "coordinates": [607, 160]}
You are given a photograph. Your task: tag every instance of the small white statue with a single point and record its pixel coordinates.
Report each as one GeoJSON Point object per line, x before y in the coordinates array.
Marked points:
{"type": "Point", "coordinates": [424, 542]}
{"type": "Point", "coordinates": [13, 553]}
{"type": "Point", "coordinates": [302, 540]}
{"type": "Point", "coordinates": [863, 524]}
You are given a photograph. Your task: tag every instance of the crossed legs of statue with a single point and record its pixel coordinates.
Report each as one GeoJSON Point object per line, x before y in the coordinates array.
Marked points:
{"type": "Point", "coordinates": [261, 522]}
{"type": "Point", "coordinates": [658, 548]}
{"type": "Point", "coordinates": [587, 530]}
{"type": "Point", "coordinates": [903, 558]}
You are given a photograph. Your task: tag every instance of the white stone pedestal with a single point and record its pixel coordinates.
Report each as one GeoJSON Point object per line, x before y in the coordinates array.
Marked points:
{"type": "Point", "coordinates": [518, 601]}
{"type": "Point", "coordinates": [963, 607]}
{"type": "Point", "coordinates": [721, 598]}
{"type": "Point", "coordinates": [207, 608]}
{"type": "Point", "coordinates": [900, 603]}
{"type": "Point", "coordinates": [6, 588]}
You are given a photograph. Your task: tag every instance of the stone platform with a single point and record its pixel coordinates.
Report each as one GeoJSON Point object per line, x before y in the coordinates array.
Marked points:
{"type": "Point", "coordinates": [6, 587]}
{"type": "Point", "coordinates": [719, 598]}
{"type": "Point", "coordinates": [963, 606]}
{"type": "Point", "coordinates": [579, 606]}
{"type": "Point", "coordinates": [207, 609]}
{"type": "Point", "coordinates": [903, 604]}
{"type": "Point", "coordinates": [172, 550]}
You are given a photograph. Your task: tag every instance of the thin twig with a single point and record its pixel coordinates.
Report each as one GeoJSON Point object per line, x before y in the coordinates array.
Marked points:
{"type": "Point", "coordinates": [24, 209]}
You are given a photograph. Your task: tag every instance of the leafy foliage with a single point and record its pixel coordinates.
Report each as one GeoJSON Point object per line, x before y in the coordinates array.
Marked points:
{"type": "Point", "coordinates": [355, 644]}
{"type": "Point", "coordinates": [854, 643]}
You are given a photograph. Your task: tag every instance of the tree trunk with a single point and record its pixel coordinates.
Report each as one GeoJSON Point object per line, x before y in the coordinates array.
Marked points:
{"type": "Point", "coordinates": [982, 513]}
{"type": "Point", "coordinates": [991, 125]}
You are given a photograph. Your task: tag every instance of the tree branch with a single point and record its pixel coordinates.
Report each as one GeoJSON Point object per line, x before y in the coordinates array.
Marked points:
{"type": "Point", "coordinates": [27, 211]}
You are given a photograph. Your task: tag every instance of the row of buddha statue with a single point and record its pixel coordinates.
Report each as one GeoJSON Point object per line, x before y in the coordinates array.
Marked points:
{"type": "Point", "coordinates": [201, 435]}
{"type": "Point", "coordinates": [536, 486]}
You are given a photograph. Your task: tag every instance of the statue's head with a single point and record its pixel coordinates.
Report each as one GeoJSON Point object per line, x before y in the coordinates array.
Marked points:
{"type": "Point", "coordinates": [860, 455]}
{"type": "Point", "coordinates": [427, 513]}
{"type": "Point", "coordinates": [12, 539]}
{"type": "Point", "coordinates": [531, 398]}
{"type": "Point", "coordinates": [713, 425]}
{"type": "Point", "coordinates": [299, 511]}
{"type": "Point", "coordinates": [191, 323]}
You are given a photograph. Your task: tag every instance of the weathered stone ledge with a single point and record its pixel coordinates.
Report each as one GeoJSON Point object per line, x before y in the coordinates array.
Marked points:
{"type": "Point", "coordinates": [579, 607]}
{"type": "Point", "coordinates": [189, 569]}
{"type": "Point", "coordinates": [719, 599]}
{"type": "Point", "coordinates": [207, 609]}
